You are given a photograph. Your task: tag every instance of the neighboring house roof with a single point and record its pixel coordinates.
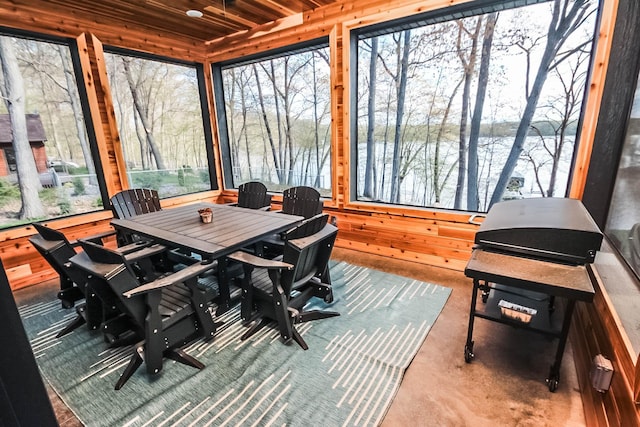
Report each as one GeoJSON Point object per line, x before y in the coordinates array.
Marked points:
{"type": "Point", "coordinates": [35, 129]}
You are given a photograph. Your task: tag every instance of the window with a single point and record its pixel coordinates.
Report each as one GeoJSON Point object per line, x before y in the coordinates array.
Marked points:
{"type": "Point", "coordinates": [159, 111]}
{"type": "Point", "coordinates": [623, 221]}
{"type": "Point", "coordinates": [470, 105]}
{"type": "Point", "coordinates": [276, 121]}
{"type": "Point", "coordinates": [46, 162]}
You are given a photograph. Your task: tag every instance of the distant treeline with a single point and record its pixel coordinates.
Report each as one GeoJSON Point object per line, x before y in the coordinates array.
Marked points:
{"type": "Point", "coordinates": [487, 130]}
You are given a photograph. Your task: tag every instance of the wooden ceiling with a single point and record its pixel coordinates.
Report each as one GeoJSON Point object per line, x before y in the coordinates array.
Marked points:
{"type": "Point", "coordinates": [220, 17]}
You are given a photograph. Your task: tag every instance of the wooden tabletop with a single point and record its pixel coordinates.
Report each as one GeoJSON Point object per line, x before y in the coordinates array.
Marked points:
{"type": "Point", "coordinates": [551, 278]}
{"type": "Point", "coordinates": [232, 227]}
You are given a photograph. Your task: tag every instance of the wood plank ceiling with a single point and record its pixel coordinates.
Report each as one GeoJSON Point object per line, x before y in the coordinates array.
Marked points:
{"type": "Point", "coordinates": [219, 17]}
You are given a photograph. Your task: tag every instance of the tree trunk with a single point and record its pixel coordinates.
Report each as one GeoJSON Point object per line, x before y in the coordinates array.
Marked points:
{"type": "Point", "coordinates": [244, 132]}
{"type": "Point", "coordinates": [371, 123]}
{"type": "Point", "coordinates": [281, 156]}
{"type": "Point", "coordinates": [288, 130]}
{"type": "Point", "coordinates": [28, 179]}
{"type": "Point", "coordinates": [231, 128]}
{"type": "Point", "coordinates": [474, 134]}
{"type": "Point", "coordinates": [274, 150]}
{"type": "Point", "coordinates": [469, 66]}
{"type": "Point", "coordinates": [143, 113]}
{"type": "Point", "coordinates": [438, 183]}
{"type": "Point", "coordinates": [397, 143]}
{"type": "Point", "coordinates": [74, 98]}
{"type": "Point", "coordinates": [559, 30]}
{"type": "Point", "coordinates": [142, 142]}
{"type": "Point", "coordinates": [316, 129]}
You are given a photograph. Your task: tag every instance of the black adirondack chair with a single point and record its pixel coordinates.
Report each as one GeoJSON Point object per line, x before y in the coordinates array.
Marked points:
{"type": "Point", "coordinates": [253, 195]}
{"type": "Point", "coordinates": [134, 202]}
{"type": "Point", "coordinates": [130, 203]}
{"type": "Point", "coordinates": [57, 250]}
{"type": "Point", "coordinates": [279, 289]}
{"type": "Point", "coordinates": [302, 201]}
{"type": "Point", "coordinates": [166, 313]}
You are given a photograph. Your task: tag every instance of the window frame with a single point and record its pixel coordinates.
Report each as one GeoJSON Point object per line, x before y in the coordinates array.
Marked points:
{"type": "Point", "coordinates": [219, 99]}
{"type": "Point", "coordinates": [204, 107]}
{"type": "Point", "coordinates": [357, 31]}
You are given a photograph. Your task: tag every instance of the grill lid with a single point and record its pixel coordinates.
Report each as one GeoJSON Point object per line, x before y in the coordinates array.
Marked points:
{"type": "Point", "coordinates": [556, 229]}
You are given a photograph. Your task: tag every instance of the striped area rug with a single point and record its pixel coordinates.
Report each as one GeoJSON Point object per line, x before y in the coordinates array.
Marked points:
{"type": "Point", "coordinates": [349, 375]}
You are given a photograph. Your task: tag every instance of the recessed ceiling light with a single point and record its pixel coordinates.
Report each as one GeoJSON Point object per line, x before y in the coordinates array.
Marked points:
{"type": "Point", "coordinates": [194, 13]}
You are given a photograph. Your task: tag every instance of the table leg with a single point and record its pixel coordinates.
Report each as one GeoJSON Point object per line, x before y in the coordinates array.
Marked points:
{"type": "Point", "coordinates": [554, 373]}
{"type": "Point", "coordinates": [468, 347]}
{"type": "Point", "coordinates": [224, 297]}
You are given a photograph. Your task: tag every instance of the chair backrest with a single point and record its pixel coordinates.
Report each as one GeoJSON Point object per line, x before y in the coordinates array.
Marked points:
{"type": "Point", "coordinates": [302, 201]}
{"type": "Point", "coordinates": [55, 248]}
{"type": "Point", "coordinates": [117, 277]}
{"type": "Point", "coordinates": [253, 195]}
{"type": "Point", "coordinates": [134, 202]}
{"type": "Point", "coordinates": [308, 247]}
{"type": "Point", "coordinates": [49, 233]}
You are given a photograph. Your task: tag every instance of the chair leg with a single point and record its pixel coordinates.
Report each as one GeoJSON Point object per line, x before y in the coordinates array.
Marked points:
{"type": "Point", "coordinates": [117, 327]}
{"type": "Point", "coordinates": [74, 324]}
{"type": "Point", "coordinates": [134, 364]}
{"type": "Point", "coordinates": [307, 316]}
{"type": "Point", "coordinates": [298, 338]}
{"type": "Point", "coordinates": [68, 293]}
{"type": "Point", "coordinates": [181, 356]}
{"type": "Point", "coordinates": [123, 340]}
{"type": "Point", "coordinates": [255, 328]}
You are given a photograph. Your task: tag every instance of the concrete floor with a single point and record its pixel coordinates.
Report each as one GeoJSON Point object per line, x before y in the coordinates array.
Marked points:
{"type": "Point", "coordinates": [503, 386]}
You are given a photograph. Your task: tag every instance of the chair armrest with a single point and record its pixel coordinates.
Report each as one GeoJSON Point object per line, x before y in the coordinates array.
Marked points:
{"type": "Point", "coordinates": [144, 252]}
{"type": "Point", "coordinates": [133, 247]}
{"type": "Point", "coordinates": [94, 238]}
{"type": "Point", "coordinates": [178, 277]}
{"type": "Point", "coordinates": [256, 261]}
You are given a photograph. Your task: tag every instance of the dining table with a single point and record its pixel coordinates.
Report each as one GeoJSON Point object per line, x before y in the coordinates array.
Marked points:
{"type": "Point", "coordinates": [231, 228]}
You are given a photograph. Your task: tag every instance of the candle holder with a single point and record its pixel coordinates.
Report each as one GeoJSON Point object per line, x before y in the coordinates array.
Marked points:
{"type": "Point", "coordinates": [206, 215]}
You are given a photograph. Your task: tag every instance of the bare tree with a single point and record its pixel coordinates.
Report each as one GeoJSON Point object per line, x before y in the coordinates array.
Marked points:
{"type": "Point", "coordinates": [563, 112]}
{"type": "Point", "coordinates": [468, 66]}
{"type": "Point", "coordinates": [371, 123]}
{"type": "Point", "coordinates": [474, 133]}
{"type": "Point", "coordinates": [274, 150]}
{"type": "Point", "coordinates": [401, 87]}
{"type": "Point", "coordinates": [143, 112]}
{"type": "Point", "coordinates": [243, 131]}
{"type": "Point", "coordinates": [74, 100]}
{"type": "Point", "coordinates": [567, 17]}
{"type": "Point", "coordinates": [14, 96]}
{"type": "Point", "coordinates": [232, 84]}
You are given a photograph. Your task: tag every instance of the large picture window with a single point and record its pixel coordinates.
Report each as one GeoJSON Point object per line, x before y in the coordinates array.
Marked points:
{"type": "Point", "coordinates": [623, 222]}
{"type": "Point", "coordinates": [46, 163]}
{"type": "Point", "coordinates": [276, 123]}
{"type": "Point", "coordinates": [461, 109]}
{"type": "Point", "coordinates": [159, 113]}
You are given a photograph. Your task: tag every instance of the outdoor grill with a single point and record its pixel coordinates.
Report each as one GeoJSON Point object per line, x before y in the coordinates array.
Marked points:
{"type": "Point", "coordinates": [527, 253]}
{"type": "Point", "coordinates": [551, 229]}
